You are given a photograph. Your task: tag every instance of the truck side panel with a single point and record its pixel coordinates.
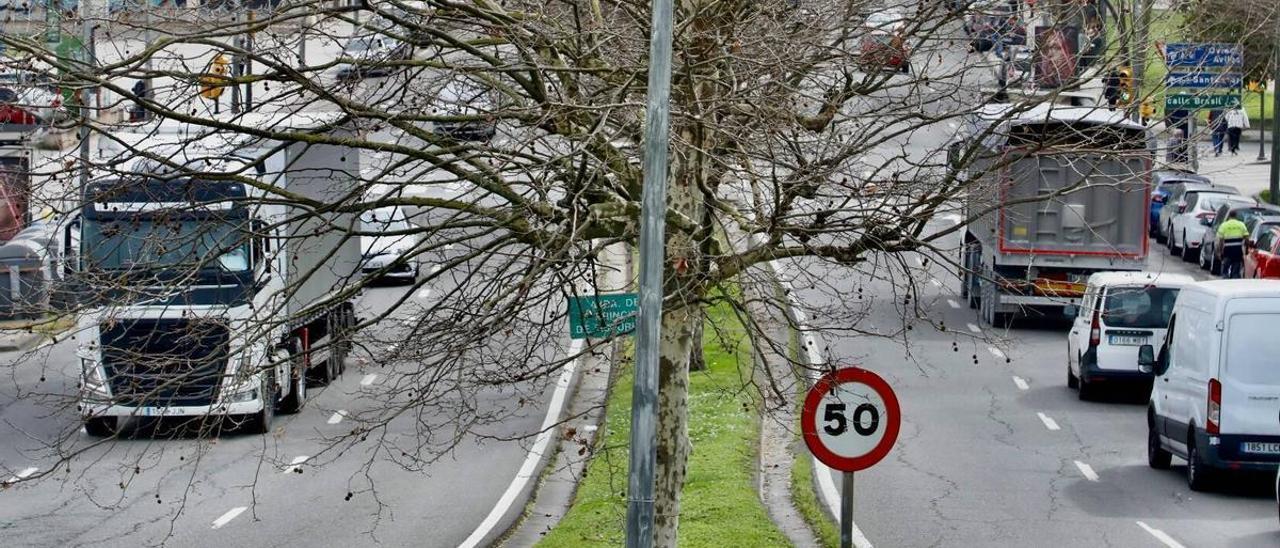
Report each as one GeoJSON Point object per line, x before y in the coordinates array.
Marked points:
{"type": "Point", "coordinates": [322, 256]}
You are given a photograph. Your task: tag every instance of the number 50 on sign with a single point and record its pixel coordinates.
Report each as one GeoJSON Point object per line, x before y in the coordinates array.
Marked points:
{"type": "Point", "coordinates": [850, 419]}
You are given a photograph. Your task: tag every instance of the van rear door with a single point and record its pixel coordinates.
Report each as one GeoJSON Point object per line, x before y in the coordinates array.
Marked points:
{"type": "Point", "coordinates": [1250, 377]}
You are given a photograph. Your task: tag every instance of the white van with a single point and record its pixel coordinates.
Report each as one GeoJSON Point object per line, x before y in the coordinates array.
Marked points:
{"type": "Point", "coordinates": [1216, 397]}
{"type": "Point", "coordinates": [1120, 312]}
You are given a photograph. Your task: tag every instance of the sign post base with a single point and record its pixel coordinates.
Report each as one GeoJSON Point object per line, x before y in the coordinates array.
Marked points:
{"type": "Point", "coordinates": [846, 510]}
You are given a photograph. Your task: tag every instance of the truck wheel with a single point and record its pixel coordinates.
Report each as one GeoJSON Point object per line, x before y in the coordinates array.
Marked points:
{"type": "Point", "coordinates": [297, 397]}
{"type": "Point", "coordinates": [101, 427]}
{"type": "Point", "coordinates": [260, 422]}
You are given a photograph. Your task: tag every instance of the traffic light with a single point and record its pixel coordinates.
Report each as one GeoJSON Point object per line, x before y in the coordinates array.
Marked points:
{"type": "Point", "coordinates": [211, 86]}
{"type": "Point", "coordinates": [1126, 94]}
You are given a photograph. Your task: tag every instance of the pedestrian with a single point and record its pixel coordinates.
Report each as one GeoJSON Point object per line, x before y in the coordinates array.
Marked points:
{"type": "Point", "coordinates": [1111, 88]}
{"type": "Point", "coordinates": [1231, 236]}
{"type": "Point", "coordinates": [1218, 130]}
{"type": "Point", "coordinates": [1237, 122]}
{"type": "Point", "coordinates": [138, 112]}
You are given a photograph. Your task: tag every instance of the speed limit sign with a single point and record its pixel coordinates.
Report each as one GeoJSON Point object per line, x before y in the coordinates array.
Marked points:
{"type": "Point", "coordinates": [850, 419]}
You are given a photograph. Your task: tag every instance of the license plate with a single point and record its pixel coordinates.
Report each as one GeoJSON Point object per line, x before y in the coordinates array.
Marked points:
{"type": "Point", "coordinates": [1122, 340]}
{"type": "Point", "coordinates": [1259, 447]}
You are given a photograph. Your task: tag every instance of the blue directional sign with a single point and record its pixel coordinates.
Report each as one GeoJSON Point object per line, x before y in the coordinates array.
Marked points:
{"type": "Point", "coordinates": [1224, 80]}
{"type": "Point", "coordinates": [1204, 55]}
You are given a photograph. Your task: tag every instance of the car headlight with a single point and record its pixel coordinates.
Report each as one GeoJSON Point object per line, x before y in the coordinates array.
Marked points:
{"type": "Point", "coordinates": [91, 376]}
{"type": "Point", "coordinates": [246, 388]}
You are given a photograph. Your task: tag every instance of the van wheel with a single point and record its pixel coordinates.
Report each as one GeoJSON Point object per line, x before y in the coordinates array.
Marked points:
{"type": "Point", "coordinates": [1199, 475]}
{"type": "Point", "coordinates": [101, 427]}
{"type": "Point", "coordinates": [1157, 457]}
{"type": "Point", "coordinates": [1072, 382]}
{"type": "Point", "coordinates": [1087, 390]}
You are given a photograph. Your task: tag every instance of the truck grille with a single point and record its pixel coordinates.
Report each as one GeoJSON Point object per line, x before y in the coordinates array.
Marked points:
{"type": "Point", "coordinates": [164, 363]}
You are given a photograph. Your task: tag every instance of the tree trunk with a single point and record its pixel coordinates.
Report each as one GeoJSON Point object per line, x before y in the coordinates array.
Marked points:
{"type": "Point", "coordinates": [673, 421]}
{"type": "Point", "coordinates": [697, 362]}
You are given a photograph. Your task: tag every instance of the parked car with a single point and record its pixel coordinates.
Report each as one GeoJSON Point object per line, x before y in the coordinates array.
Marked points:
{"type": "Point", "coordinates": [1183, 215]}
{"type": "Point", "coordinates": [1163, 183]}
{"type": "Point", "coordinates": [1210, 258]}
{"type": "Point", "coordinates": [1120, 311]}
{"type": "Point", "coordinates": [368, 54]}
{"type": "Point", "coordinates": [883, 45]}
{"type": "Point", "coordinates": [1214, 399]}
{"type": "Point", "coordinates": [1260, 257]}
{"type": "Point", "coordinates": [1188, 226]}
{"type": "Point", "coordinates": [393, 248]}
{"type": "Point", "coordinates": [475, 107]}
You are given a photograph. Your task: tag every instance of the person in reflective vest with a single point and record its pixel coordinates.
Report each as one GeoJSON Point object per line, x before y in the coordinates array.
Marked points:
{"type": "Point", "coordinates": [1231, 235]}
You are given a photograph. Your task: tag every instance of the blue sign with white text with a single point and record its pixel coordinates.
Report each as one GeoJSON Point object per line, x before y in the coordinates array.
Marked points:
{"type": "Point", "coordinates": [1204, 55]}
{"type": "Point", "coordinates": [1226, 80]}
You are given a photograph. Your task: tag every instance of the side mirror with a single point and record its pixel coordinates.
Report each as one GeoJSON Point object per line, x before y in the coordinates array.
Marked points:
{"type": "Point", "coordinates": [1071, 311]}
{"type": "Point", "coordinates": [1206, 221]}
{"type": "Point", "coordinates": [1146, 358]}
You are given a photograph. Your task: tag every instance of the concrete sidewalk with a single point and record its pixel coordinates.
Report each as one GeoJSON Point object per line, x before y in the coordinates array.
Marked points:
{"type": "Point", "coordinates": [1242, 171]}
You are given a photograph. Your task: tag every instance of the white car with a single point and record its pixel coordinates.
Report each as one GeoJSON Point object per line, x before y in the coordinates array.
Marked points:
{"type": "Point", "coordinates": [1216, 393]}
{"type": "Point", "coordinates": [30, 97]}
{"type": "Point", "coordinates": [474, 104]}
{"type": "Point", "coordinates": [388, 245]}
{"type": "Point", "coordinates": [1194, 214]}
{"type": "Point", "coordinates": [369, 53]}
{"type": "Point", "coordinates": [1120, 312]}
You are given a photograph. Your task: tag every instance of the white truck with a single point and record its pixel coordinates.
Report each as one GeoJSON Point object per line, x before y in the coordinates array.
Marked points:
{"type": "Point", "coordinates": [213, 289]}
{"type": "Point", "coordinates": [1056, 193]}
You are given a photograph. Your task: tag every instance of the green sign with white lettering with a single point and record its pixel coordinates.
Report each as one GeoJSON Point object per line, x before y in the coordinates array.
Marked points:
{"type": "Point", "coordinates": [602, 316]}
{"type": "Point", "coordinates": [1180, 102]}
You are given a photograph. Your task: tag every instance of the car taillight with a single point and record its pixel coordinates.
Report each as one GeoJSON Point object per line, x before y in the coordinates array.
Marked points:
{"type": "Point", "coordinates": [1095, 330]}
{"type": "Point", "coordinates": [1182, 208]}
{"type": "Point", "coordinates": [1215, 407]}
{"type": "Point", "coordinates": [1206, 216]}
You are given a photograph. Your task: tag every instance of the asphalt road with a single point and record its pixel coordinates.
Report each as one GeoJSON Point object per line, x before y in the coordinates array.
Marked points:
{"type": "Point", "coordinates": [998, 452]}
{"type": "Point", "coordinates": [150, 488]}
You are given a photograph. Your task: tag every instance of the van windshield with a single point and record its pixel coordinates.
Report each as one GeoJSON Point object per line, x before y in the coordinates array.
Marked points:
{"type": "Point", "coordinates": [1252, 347]}
{"type": "Point", "coordinates": [1139, 307]}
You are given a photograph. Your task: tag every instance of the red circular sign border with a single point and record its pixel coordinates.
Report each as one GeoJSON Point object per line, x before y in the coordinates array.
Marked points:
{"type": "Point", "coordinates": [809, 415]}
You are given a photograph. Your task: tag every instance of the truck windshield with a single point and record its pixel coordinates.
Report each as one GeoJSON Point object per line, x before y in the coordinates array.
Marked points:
{"type": "Point", "coordinates": [219, 245]}
{"type": "Point", "coordinates": [1139, 307]}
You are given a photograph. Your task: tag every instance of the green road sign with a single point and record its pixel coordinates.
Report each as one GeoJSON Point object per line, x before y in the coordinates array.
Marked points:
{"type": "Point", "coordinates": [1180, 102]}
{"type": "Point", "coordinates": [601, 316]}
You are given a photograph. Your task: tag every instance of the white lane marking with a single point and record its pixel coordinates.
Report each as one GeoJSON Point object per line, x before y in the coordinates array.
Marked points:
{"type": "Point", "coordinates": [21, 475]}
{"type": "Point", "coordinates": [974, 328]}
{"type": "Point", "coordinates": [949, 218]}
{"type": "Point", "coordinates": [1048, 422]}
{"type": "Point", "coordinates": [448, 247]}
{"type": "Point", "coordinates": [1087, 470]}
{"type": "Point", "coordinates": [952, 125]}
{"type": "Point", "coordinates": [293, 464]}
{"type": "Point", "coordinates": [227, 517]}
{"type": "Point", "coordinates": [435, 268]}
{"type": "Point", "coordinates": [953, 303]}
{"type": "Point", "coordinates": [1020, 382]}
{"type": "Point", "coordinates": [426, 292]}
{"type": "Point", "coordinates": [996, 352]}
{"type": "Point", "coordinates": [1161, 536]}
{"type": "Point", "coordinates": [338, 416]}
{"type": "Point", "coordinates": [528, 469]}
{"type": "Point", "coordinates": [826, 485]}
{"type": "Point", "coordinates": [919, 261]}
{"type": "Point", "coordinates": [368, 379]}
{"type": "Point", "coordinates": [935, 282]}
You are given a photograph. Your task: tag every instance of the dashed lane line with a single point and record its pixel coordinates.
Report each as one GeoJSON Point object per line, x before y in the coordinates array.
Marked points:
{"type": "Point", "coordinates": [295, 463]}
{"type": "Point", "coordinates": [1048, 422]}
{"type": "Point", "coordinates": [368, 379]}
{"type": "Point", "coordinates": [996, 352]}
{"type": "Point", "coordinates": [1020, 382]}
{"type": "Point", "coordinates": [974, 328]}
{"type": "Point", "coordinates": [935, 283]}
{"type": "Point", "coordinates": [1087, 470]}
{"type": "Point", "coordinates": [1160, 536]}
{"type": "Point", "coordinates": [338, 416]}
{"type": "Point", "coordinates": [424, 293]}
{"type": "Point", "coordinates": [953, 304]}
{"type": "Point", "coordinates": [21, 475]}
{"type": "Point", "coordinates": [227, 517]}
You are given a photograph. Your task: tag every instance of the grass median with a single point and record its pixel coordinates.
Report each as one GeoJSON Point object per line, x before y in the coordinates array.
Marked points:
{"type": "Point", "coordinates": [719, 506]}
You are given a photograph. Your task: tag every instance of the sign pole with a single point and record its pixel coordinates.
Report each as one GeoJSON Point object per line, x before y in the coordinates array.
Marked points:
{"type": "Point", "coordinates": [846, 510]}
{"type": "Point", "coordinates": [653, 208]}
